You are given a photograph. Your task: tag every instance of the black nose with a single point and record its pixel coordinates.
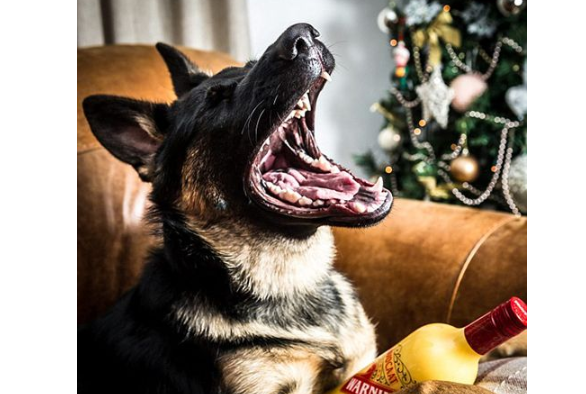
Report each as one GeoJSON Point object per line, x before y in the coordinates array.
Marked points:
{"type": "Point", "coordinates": [296, 40]}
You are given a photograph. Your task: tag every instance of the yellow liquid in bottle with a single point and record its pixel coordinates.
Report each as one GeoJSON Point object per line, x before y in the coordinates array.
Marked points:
{"type": "Point", "coordinates": [433, 352]}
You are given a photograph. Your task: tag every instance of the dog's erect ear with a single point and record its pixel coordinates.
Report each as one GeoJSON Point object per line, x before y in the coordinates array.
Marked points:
{"type": "Point", "coordinates": [131, 130]}
{"type": "Point", "coordinates": [184, 73]}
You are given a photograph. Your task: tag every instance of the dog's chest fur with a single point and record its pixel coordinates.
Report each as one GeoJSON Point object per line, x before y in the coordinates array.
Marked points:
{"type": "Point", "coordinates": [303, 329]}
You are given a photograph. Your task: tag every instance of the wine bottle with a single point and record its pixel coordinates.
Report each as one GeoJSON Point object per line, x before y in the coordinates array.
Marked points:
{"type": "Point", "coordinates": [439, 352]}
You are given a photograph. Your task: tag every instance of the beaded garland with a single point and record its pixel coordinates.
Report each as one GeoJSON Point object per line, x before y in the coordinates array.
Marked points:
{"type": "Point", "coordinates": [505, 151]}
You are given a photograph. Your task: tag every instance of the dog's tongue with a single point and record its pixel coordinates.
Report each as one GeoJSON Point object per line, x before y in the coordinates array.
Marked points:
{"type": "Point", "coordinates": [340, 186]}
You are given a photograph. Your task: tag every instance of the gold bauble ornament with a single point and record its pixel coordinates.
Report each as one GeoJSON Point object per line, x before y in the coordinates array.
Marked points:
{"type": "Point", "coordinates": [464, 169]}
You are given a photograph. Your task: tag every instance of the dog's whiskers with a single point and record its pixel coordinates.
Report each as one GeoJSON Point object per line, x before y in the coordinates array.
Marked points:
{"type": "Point", "coordinates": [247, 123]}
{"type": "Point", "coordinates": [257, 123]}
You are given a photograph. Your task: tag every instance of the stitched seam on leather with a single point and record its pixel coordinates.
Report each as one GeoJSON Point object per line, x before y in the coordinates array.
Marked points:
{"type": "Point", "coordinates": [89, 150]}
{"type": "Point", "coordinates": [469, 259]}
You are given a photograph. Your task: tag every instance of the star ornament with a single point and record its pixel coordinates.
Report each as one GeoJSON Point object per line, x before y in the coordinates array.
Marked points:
{"type": "Point", "coordinates": [435, 97]}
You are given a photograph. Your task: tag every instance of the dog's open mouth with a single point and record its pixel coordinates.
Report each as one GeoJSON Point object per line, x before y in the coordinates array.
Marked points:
{"type": "Point", "coordinates": [291, 176]}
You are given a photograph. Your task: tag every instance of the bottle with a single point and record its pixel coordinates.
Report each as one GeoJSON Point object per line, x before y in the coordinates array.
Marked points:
{"type": "Point", "coordinates": [439, 352]}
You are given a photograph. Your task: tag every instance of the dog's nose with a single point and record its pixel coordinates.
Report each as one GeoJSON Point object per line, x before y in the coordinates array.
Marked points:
{"type": "Point", "coordinates": [296, 40]}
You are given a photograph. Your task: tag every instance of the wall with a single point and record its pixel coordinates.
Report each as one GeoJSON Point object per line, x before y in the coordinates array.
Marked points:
{"type": "Point", "coordinates": [344, 124]}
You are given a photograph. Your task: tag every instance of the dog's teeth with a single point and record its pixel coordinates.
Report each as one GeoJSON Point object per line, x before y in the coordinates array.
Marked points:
{"type": "Point", "coordinates": [378, 186]}
{"type": "Point", "coordinates": [299, 113]}
{"type": "Point", "coordinates": [357, 207]}
{"type": "Point", "coordinates": [318, 203]}
{"type": "Point", "coordinates": [306, 104]}
{"type": "Point", "coordinates": [301, 104]}
{"type": "Point", "coordinates": [326, 76]}
{"type": "Point", "coordinates": [370, 209]}
{"type": "Point", "coordinates": [323, 164]}
{"type": "Point", "coordinates": [291, 196]}
{"type": "Point", "coordinates": [276, 190]}
{"type": "Point", "coordinates": [304, 201]}
{"type": "Point", "coordinates": [306, 158]}
{"type": "Point", "coordinates": [334, 170]}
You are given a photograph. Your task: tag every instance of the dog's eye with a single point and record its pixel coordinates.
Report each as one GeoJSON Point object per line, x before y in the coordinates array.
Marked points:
{"type": "Point", "coordinates": [221, 91]}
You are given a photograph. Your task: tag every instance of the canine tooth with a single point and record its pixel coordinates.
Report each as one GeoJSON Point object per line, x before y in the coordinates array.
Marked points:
{"type": "Point", "coordinates": [299, 113]}
{"type": "Point", "coordinates": [306, 158]}
{"type": "Point", "coordinates": [334, 170]}
{"type": "Point", "coordinates": [324, 164]}
{"type": "Point", "coordinates": [378, 186]}
{"type": "Point", "coordinates": [357, 207]}
{"type": "Point", "coordinates": [300, 103]}
{"type": "Point", "coordinates": [304, 201]}
{"type": "Point", "coordinates": [318, 203]}
{"type": "Point", "coordinates": [306, 102]}
{"type": "Point", "coordinates": [326, 76]}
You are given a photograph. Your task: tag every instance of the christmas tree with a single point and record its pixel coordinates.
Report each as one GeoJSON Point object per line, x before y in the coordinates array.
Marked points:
{"type": "Point", "coordinates": [456, 113]}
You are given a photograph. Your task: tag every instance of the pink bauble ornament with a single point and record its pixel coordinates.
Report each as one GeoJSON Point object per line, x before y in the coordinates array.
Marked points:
{"type": "Point", "coordinates": [467, 88]}
{"type": "Point", "coordinates": [401, 54]}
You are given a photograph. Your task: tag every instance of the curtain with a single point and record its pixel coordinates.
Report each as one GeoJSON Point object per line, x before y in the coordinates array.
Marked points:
{"type": "Point", "coordinates": [220, 25]}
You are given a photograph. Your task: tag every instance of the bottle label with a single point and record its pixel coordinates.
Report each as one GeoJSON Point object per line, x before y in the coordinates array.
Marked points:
{"type": "Point", "coordinates": [386, 375]}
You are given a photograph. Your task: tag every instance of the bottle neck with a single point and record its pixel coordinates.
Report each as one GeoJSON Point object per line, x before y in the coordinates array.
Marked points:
{"type": "Point", "coordinates": [497, 326]}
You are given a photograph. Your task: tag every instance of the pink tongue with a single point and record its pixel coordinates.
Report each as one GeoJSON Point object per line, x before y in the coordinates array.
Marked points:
{"type": "Point", "coordinates": [313, 185]}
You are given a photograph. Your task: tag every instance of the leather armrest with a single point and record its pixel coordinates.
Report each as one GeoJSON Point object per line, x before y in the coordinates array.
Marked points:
{"type": "Point", "coordinates": [430, 262]}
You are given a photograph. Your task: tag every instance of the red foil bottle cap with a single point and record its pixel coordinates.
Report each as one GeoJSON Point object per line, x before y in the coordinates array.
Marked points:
{"type": "Point", "coordinates": [502, 323]}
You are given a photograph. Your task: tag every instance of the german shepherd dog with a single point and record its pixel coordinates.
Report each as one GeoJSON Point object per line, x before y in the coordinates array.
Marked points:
{"type": "Point", "coordinates": [241, 296]}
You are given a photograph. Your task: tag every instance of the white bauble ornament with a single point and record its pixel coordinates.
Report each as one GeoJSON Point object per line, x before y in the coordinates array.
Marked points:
{"type": "Point", "coordinates": [516, 97]}
{"type": "Point", "coordinates": [389, 138]}
{"type": "Point", "coordinates": [511, 7]}
{"type": "Point", "coordinates": [467, 88]}
{"type": "Point", "coordinates": [518, 181]}
{"type": "Point", "coordinates": [386, 19]}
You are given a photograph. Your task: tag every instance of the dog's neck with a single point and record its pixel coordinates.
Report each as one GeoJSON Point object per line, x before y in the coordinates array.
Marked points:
{"type": "Point", "coordinates": [268, 265]}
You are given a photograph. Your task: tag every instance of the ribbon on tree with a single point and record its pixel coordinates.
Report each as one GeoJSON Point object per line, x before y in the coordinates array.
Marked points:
{"type": "Point", "coordinates": [439, 28]}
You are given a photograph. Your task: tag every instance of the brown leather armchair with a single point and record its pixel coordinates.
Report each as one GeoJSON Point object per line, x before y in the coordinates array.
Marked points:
{"type": "Point", "coordinates": [425, 263]}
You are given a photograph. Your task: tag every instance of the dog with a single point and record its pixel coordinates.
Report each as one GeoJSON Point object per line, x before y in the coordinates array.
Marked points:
{"type": "Point", "coordinates": [240, 296]}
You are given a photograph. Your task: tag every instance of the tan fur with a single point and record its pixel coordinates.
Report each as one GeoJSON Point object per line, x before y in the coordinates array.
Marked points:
{"type": "Point", "coordinates": [273, 267]}
{"type": "Point", "coordinates": [260, 371]}
{"type": "Point", "coordinates": [148, 125]}
{"type": "Point", "coordinates": [322, 362]}
{"type": "Point", "coordinates": [192, 200]}
{"type": "Point", "coordinates": [268, 265]}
